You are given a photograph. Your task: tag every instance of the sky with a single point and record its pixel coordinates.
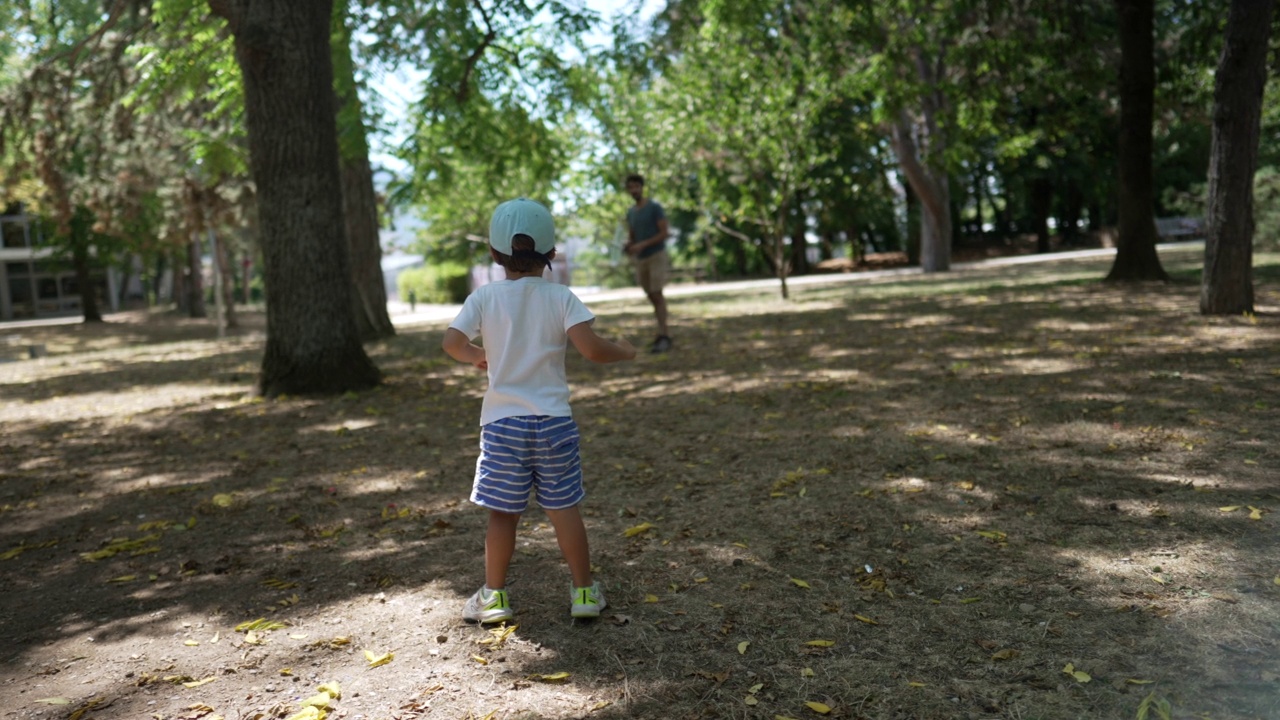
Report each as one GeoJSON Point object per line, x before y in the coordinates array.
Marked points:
{"type": "Point", "coordinates": [398, 90]}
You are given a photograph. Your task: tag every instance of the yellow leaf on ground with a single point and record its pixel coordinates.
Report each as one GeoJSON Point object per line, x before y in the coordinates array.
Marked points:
{"type": "Point", "coordinates": [123, 579]}
{"type": "Point", "coordinates": [1276, 580]}
{"type": "Point", "coordinates": [1006, 654]}
{"type": "Point", "coordinates": [555, 677]}
{"type": "Point", "coordinates": [865, 619]}
{"type": "Point", "coordinates": [54, 701]}
{"type": "Point", "coordinates": [1079, 675]}
{"type": "Point", "coordinates": [191, 643]}
{"type": "Point", "coordinates": [601, 705]}
{"type": "Point", "coordinates": [800, 583]}
{"type": "Point", "coordinates": [993, 535]}
{"type": "Point", "coordinates": [821, 643]}
{"type": "Point", "coordinates": [308, 713]}
{"type": "Point", "coordinates": [755, 688]}
{"type": "Point", "coordinates": [916, 684]}
{"type": "Point", "coordinates": [376, 660]}
{"type": "Point", "coordinates": [1255, 513]}
{"type": "Point", "coordinates": [969, 601]}
{"type": "Point", "coordinates": [637, 529]}
{"type": "Point", "coordinates": [223, 500]}
{"type": "Point", "coordinates": [482, 661]}
{"type": "Point", "coordinates": [742, 647]}
{"type": "Point", "coordinates": [651, 598]}
{"type": "Point", "coordinates": [198, 683]}
{"type": "Point", "coordinates": [750, 700]}
{"type": "Point", "coordinates": [1229, 508]}
{"type": "Point", "coordinates": [806, 672]}
{"type": "Point", "coordinates": [319, 700]}
{"type": "Point", "coordinates": [1136, 681]}
{"type": "Point", "coordinates": [818, 707]}
{"type": "Point", "coordinates": [783, 717]}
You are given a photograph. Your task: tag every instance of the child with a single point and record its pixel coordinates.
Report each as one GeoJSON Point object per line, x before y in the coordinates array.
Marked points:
{"type": "Point", "coordinates": [528, 439]}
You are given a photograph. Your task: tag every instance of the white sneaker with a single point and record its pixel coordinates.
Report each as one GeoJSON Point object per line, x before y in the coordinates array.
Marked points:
{"type": "Point", "coordinates": [587, 602]}
{"type": "Point", "coordinates": [487, 606]}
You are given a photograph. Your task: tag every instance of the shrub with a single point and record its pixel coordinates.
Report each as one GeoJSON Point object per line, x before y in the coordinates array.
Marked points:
{"type": "Point", "coordinates": [444, 283]}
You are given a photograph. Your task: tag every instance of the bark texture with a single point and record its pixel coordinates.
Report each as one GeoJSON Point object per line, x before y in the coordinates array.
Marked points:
{"type": "Point", "coordinates": [1136, 257]}
{"type": "Point", "coordinates": [283, 49]}
{"type": "Point", "coordinates": [1227, 284]}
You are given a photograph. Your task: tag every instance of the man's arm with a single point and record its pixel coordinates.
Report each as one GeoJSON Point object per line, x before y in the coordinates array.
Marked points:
{"type": "Point", "coordinates": [597, 349]}
{"type": "Point", "coordinates": [661, 237]}
{"type": "Point", "coordinates": [460, 348]}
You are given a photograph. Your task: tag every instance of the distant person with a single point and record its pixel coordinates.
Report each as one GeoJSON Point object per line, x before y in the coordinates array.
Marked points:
{"type": "Point", "coordinates": [413, 301]}
{"type": "Point", "coordinates": [528, 438]}
{"type": "Point", "coordinates": [647, 245]}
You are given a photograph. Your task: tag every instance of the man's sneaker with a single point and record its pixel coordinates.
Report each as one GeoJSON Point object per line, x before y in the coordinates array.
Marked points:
{"type": "Point", "coordinates": [587, 602]}
{"type": "Point", "coordinates": [661, 344]}
{"type": "Point", "coordinates": [487, 606]}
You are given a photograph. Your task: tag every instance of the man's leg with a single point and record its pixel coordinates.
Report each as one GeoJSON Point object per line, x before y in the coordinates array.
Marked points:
{"type": "Point", "coordinates": [659, 310]}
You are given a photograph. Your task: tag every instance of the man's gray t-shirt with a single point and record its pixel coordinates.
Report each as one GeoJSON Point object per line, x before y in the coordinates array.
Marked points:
{"type": "Point", "coordinates": [643, 221]}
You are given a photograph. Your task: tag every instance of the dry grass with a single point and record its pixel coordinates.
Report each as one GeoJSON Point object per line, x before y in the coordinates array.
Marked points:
{"type": "Point", "coordinates": [1005, 471]}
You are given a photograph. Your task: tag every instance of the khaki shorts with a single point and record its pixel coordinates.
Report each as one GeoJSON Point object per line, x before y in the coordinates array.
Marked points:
{"type": "Point", "coordinates": [651, 272]}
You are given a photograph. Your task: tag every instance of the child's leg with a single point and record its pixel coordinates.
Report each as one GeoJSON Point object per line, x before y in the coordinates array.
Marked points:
{"type": "Point", "coordinates": [572, 536]}
{"type": "Point", "coordinates": [499, 546]}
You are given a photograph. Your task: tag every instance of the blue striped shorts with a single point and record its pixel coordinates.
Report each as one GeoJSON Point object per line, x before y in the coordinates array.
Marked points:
{"type": "Point", "coordinates": [524, 455]}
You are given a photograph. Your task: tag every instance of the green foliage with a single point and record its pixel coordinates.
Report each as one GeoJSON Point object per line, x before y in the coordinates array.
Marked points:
{"type": "Point", "coordinates": [1266, 209]}
{"type": "Point", "coordinates": [441, 283]}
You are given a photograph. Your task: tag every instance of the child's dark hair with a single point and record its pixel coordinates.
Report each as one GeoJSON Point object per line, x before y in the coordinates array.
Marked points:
{"type": "Point", "coordinates": [523, 258]}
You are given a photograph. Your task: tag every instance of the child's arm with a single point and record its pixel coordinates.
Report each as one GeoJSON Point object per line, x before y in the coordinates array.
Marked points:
{"type": "Point", "coordinates": [460, 348]}
{"type": "Point", "coordinates": [597, 349]}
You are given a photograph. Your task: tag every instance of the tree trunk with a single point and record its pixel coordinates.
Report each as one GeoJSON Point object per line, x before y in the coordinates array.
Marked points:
{"type": "Point", "coordinates": [1136, 257]}
{"type": "Point", "coordinates": [1227, 284]}
{"type": "Point", "coordinates": [359, 201]}
{"type": "Point", "coordinates": [222, 264]}
{"type": "Point", "coordinates": [1041, 204]}
{"type": "Point", "coordinates": [913, 226]}
{"type": "Point", "coordinates": [283, 49]}
{"type": "Point", "coordinates": [81, 223]}
{"type": "Point", "coordinates": [933, 189]}
{"type": "Point", "coordinates": [178, 293]}
{"type": "Point", "coordinates": [799, 245]}
{"type": "Point", "coordinates": [195, 279]}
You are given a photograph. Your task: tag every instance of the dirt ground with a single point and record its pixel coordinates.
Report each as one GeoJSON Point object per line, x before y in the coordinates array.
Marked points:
{"type": "Point", "coordinates": [1010, 493]}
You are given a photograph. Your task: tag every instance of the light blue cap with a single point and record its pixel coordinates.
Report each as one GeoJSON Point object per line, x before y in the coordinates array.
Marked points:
{"type": "Point", "coordinates": [522, 216]}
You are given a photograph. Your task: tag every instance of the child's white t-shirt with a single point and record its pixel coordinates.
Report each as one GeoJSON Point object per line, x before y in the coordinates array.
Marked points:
{"type": "Point", "coordinates": [523, 323]}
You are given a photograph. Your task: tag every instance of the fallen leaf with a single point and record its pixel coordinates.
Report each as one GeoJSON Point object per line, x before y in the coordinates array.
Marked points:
{"type": "Point", "coordinates": [1079, 675]}
{"type": "Point", "coordinates": [477, 658]}
{"type": "Point", "coordinates": [1136, 681]}
{"type": "Point", "coordinates": [993, 535]}
{"type": "Point", "coordinates": [191, 643]}
{"type": "Point", "coordinates": [198, 683]}
{"type": "Point", "coordinates": [750, 700]}
{"type": "Point", "coordinates": [818, 707]}
{"type": "Point", "coordinates": [308, 713]}
{"type": "Point", "coordinates": [916, 684]}
{"type": "Point", "coordinates": [376, 660]}
{"type": "Point", "coordinates": [1255, 513]}
{"type": "Point", "coordinates": [637, 529]}
{"type": "Point", "coordinates": [601, 705]}
{"type": "Point", "coordinates": [1229, 508]}
{"type": "Point", "coordinates": [319, 700]}
{"type": "Point", "coordinates": [806, 672]}
{"type": "Point", "coordinates": [821, 643]}
{"type": "Point", "coordinates": [54, 701]}
{"type": "Point", "coordinates": [554, 677]}
{"type": "Point", "coordinates": [1006, 654]}
{"type": "Point", "coordinates": [865, 619]}
{"type": "Point", "coordinates": [223, 500]}
{"type": "Point", "coordinates": [742, 647]}
{"type": "Point", "coordinates": [651, 598]}
{"type": "Point", "coordinates": [755, 688]}
{"type": "Point", "coordinates": [800, 583]}
{"type": "Point", "coordinates": [969, 601]}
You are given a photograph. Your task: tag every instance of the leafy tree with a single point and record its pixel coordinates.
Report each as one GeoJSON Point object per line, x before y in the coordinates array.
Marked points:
{"type": "Point", "coordinates": [1227, 282]}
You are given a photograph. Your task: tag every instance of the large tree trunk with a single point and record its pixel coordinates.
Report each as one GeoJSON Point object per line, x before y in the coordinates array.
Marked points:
{"type": "Point", "coordinates": [283, 49]}
{"type": "Point", "coordinates": [1136, 257]}
{"type": "Point", "coordinates": [1227, 284]}
{"type": "Point", "coordinates": [359, 201]}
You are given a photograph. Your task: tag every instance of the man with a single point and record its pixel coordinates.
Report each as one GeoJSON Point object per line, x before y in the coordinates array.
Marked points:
{"type": "Point", "coordinates": [647, 245]}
